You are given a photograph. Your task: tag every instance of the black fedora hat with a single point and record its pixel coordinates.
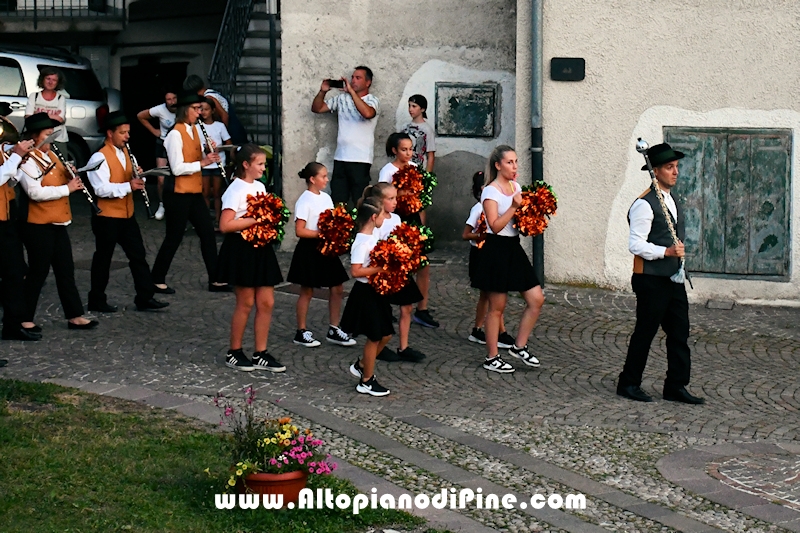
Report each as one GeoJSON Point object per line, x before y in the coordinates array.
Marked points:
{"type": "Point", "coordinates": [5, 109]}
{"type": "Point", "coordinates": [114, 119]}
{"type": "Point", "coordinates": [661, 154]}
{"type": "Point", "coordinates": [39, 122]}
{"type": "Point", "coordinates": [188, 98]}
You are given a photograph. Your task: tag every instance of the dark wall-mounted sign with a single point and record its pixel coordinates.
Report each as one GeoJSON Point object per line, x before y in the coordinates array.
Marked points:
{"type": "Point", "coordinates": [567, 69]}
{"type": "Point", "coordinates": [467, 110]}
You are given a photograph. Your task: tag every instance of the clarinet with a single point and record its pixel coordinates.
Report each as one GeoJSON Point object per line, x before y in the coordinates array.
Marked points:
{"type": "Point", "coordinates": [208, 148]}
{"type": "Point", "coordinates": [135, 171]}
{"type": "Point", "coordinates": [96, 210]}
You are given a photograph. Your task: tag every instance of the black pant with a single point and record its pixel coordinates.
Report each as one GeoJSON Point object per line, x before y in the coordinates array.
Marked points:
{"type": "Point", "coordinates": [349, 181]}
{"type": "Point", "coordinates": [12, 271]}
{"type": "Point", "coordinates": [48, 245]}
{"type": "Point", "coordinates": [108, 232]}
{"type": "Point", "coordinates": [659, 302]}
{"type": "Point", "coordinates": [181, 208]}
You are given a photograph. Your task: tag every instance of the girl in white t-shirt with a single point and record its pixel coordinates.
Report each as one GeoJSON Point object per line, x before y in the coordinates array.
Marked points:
{"type": "Point", "coordinates": [367, 312]}
{"type": "Point", "coordinates": [253, 271]}
{"type": "Point", "coordinates": [309, 267]}
{"type": "Point", "coordinates": [503, 265]}
{"type": "Point", "coordinates": [212, 175]}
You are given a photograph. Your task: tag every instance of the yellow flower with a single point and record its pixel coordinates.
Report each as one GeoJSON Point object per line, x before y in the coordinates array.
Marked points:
{"type": "Point", "coordinates": [239, 472]}
{"type": "Point", "coordinates": [244, 467]}
{"type": "Point", "coordinates": [231, 482]}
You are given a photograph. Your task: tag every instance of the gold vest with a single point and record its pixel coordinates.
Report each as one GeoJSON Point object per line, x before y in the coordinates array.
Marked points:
{"type": "Point", "coordinates": [6, 194]}
{"type": "Point", "coordinates": [192, 151]}
{"type": "Point", "coordinates": [116, 207]}
{"type": "Point", "coordinates": [51, 211]}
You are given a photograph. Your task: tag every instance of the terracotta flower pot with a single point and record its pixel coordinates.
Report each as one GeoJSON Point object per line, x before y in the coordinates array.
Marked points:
{"type": "Point", "coordinates": [289, 484]}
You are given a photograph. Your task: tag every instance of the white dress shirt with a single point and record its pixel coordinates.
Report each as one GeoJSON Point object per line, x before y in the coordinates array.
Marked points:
{"type": "Point", "coordinates": [641, 220]}
{"type": "Point", "coordinates": [33, 186]}
{"type": "Point", "coordinates": [174, 146]}
{"type": "Point", "coordinates": [101, 178]}
{"type": "Point", "coordinates": [8, 170]}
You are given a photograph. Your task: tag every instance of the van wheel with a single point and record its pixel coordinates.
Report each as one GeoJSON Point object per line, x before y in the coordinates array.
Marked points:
{"type": "Point", "coordinates": [78, 150]}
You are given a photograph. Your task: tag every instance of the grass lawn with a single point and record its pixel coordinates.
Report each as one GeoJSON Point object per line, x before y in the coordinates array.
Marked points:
{"type": "Point", "coordinates": [76, 462]}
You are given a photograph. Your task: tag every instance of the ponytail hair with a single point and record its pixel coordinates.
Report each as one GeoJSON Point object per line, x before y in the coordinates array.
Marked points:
{"type": "Point", "coordinates": [310, 170]}
{"type": "Point", "coordinates": [245, 153]}
{"type": "Point", "coordinates": [366, 209]}
{"type": "Point", "coordinates": [496, 157]}
{"type": "Point", "coordinates": [378, 191]}
{"type": "Point", "coordinates": [421, 101]}
{"type": "Point", "coordinates": [477, 184]}
{"type": "Point", "coordinates": [394, 141]}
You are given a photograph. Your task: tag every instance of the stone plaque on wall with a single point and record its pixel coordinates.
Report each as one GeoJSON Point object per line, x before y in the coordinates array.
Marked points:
{"type": "Point", "coordinates": [467, 110]}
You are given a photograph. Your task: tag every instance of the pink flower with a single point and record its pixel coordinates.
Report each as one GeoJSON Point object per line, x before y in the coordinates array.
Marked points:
{"type": "Point", "coordinates": [294, 443]}
{"type": "Point", "coordinates": [228, 411]}
{"type": "Point", "coordinates": [300, 461]}
{"type": "Point", "coordinates": [248, 390]}
{"type": "Point", "coordinates": [249, 401]}
{"type": "Point", "coordinates": [273, 462]}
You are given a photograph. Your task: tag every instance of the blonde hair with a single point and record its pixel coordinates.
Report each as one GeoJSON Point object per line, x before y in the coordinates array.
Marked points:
{"type": "Point", "coordinates": [366, 209]}
{"type": "Point", "coordinates": [495, 158]}
{"type": "Point", "coordinates": [378, 190]}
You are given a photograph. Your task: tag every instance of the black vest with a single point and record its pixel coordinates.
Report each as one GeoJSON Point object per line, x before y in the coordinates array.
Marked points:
{"type": "Point", "coordinates": [661, 236]}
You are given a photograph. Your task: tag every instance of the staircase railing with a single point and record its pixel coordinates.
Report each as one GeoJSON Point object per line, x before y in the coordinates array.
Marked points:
{"type": "Point", "coordinates": [230, 42]}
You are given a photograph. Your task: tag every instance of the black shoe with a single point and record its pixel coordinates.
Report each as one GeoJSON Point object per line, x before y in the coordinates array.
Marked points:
{"type": "Point", "coordinates": [3, 362]}
{"type": "Point", "coordinates": [20, 334]}
{"type": "Point", "coordinates": [151, 305]}
{"type": "Point", "coordinates": [34, 329]}
{"type": "Point", "coordinates": [388, 355]}
{"type": "Point", "coordinates": [89, 325]}
{"type": "Point", "coordinates": [683, 396]}
{"type": "Point", "coordinates": [102, 307]}
{"type": "Point", "coordinates": [219, 288]}
{"type": "Point", "coordinates": [410, 354]}
{"type": "Point", "coordinates": [633, 392]}
{"type": "Point", "coordinates": [167, 290]}
{"type": "Point", "coordinates": [423, 318]}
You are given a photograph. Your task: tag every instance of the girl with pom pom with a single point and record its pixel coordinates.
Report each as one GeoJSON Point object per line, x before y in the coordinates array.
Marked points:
{"type": "Point", "coordinates": [503, 265]}
{"type": "Point", "coordinates": [253, 271]}
{"type": "Point", "coordinates": [310, 268]}
{"type": "Point", "coordinates": [400, 146]}
{"type": "Point", "coordinates": [367, 312]}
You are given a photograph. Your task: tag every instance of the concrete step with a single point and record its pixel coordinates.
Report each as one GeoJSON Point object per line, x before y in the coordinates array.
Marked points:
{"type": "Point", "coordinates": [254, 73]}
{"type": "Point", "coordinates": [262, 24]}
{"type": "Point", "coordinates": [260, 51]}
{"type": "Point", "coordinates": [260, 43]}
{"type": "Point", "coordinates": [258, 62]}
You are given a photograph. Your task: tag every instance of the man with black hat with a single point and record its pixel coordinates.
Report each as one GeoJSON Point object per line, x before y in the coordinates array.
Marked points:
{"type": "Point", "coordinates": [114, 184]}
{"type": "Point", "coordinates": [183, 196]}
{"type": "Point", "coordinates": [660, 300]}
{"type": "Point", "coordinates": [12, 261]}
{"type": "Point", "coordinates": [47, 186]}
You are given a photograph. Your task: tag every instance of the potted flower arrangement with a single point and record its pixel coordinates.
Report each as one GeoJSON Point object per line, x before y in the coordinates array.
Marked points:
{"type": "Point", "coordinates": [270, 456]}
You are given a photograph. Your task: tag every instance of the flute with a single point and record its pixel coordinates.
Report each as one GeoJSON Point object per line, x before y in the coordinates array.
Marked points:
{"type": "Point", "coordinates": [96, 210]}
{"type": "Point", "coordinates": [209, 150]}
{"type": "Point", "coordinates": [135, 171]}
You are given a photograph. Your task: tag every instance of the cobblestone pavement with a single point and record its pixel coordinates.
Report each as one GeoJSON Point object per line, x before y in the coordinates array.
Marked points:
{"type": "Point", "coordinates": [565, 414]}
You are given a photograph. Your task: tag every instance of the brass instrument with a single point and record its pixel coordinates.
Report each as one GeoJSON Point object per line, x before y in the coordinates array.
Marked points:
{"type": "Point", "coordinates": [8, 133]}
{"type": "Point", "coordinates": [135, 171]}
{"type": "Point", "coordinates": [42, 163]}
{"type": "Point", "coordinates": [53, 148]}
{"type": "Point", "coordinates": [209, 150]}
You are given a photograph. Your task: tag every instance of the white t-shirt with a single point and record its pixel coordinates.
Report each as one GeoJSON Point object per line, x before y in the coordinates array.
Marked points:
{"type": "Point", "coordinates": [236, 196]}
{"type": "Point", "coordinates": [218, 97]}
{"type": "Point", "coordinates": [218, 133]}
{"type": "Point", "coordinates": [388, 226]}
{"type": "Point", "coordinates": [472, 221]}
{"type": "Point", "coordinates": [166, 118]}
{"type": "Point", "coordinates": [490, 192]}
{"type": "Point", "coordinates": [359, 252]}
{"type": "Point", "coordinates": [309, 206]}
{"type": "Point", "coordinates": [37, 104]}
{"type": "Point", "coordinates": [424, 139]}
{"type": "Point", "coordinates": [387, 172]}
{"type": "Point", "coordinates": [356, 139]}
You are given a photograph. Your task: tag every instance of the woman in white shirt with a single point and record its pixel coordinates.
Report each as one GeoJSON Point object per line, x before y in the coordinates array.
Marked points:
{"type": "Point", "coordinates": [51, 100]}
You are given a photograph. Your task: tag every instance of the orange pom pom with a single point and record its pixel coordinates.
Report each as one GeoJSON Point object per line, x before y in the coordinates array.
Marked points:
{"type": "Point", "coordinates": [336, 231]}
{"type": "Point", "coordinates": [539, 203]}
{"type": "Point", "coordinates": [409, 184]}
{"type": "Point", "coordinates": [270, 214]}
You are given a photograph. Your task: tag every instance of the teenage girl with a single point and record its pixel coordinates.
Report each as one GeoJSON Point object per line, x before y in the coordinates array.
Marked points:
{"type": "Point", "coordinates": [503, 265]}
{"type": "Point", "coordinates": [504, 340]}
{"type": "Point", "coordinates": [410, 293]}
{"type": "Point", "coordinates": [421, 133]}
{"type": "Point", "coordinates": [367, 311]}
{"type": "Point", "coordinates": [400, 146]}
{"type": "Point", "coordinates": [309, 267]}
{"type": "Point", "coordinates": [252, 271]}
{"type": "Point", "coordinates": [212, 175]}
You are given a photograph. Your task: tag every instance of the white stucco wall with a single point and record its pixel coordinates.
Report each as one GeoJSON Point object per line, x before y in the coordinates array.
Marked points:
{"type": "Point", "coordinates": [672, 63]}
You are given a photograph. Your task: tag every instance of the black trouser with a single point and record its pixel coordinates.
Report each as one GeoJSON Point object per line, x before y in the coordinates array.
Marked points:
{"type": "Point", "coordinates": [48, 245]}
{"type": "Point", "coordinates": [12, 271]}
{"type": "Point", "coordinates": [181, 208]}
{"type": "Point", "coordinates": [659, 302]}
{"type": "Point", "coordinates": [108, 232]}
{"type": "Point", "coordinates": [348, 181]}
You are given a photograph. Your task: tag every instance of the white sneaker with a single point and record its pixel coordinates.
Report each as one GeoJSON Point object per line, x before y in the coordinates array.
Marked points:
{"type": "Point", "coordinates": [160, 211]}
{"type": "Point", "coordinates": [495, 364]}
{"type": "Point", "coordinates": [357, 370]}
{"type": "Point", "coordinates": [522, 353]}
{"type": "Point", "coordinates": [372, 387]}
{"type": "Point", "coordinates": [337, 336]}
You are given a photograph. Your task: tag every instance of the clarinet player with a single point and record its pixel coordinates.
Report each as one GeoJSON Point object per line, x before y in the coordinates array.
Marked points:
{"type": "Point", "coordinates": [660, 301]}
{"type": "Point", "coordinates": [114, 184]}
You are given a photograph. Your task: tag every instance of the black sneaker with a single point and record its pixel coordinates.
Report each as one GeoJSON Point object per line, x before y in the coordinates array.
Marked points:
{"type": "Point", "coordinates": [372, 387]}
{"type": "Point", "coordinates": [357, 370]}
{"type": "Point", "coordinates": [410, 354]}
{"type": "Point", "coordinates": [478, 336]}
{"type": "Point", "coordinates": [305, 337]}
{"type": "Point", "coordinates": [337, 336]}
{"type": "Point", "coordinates": [505, 341]}
{"type": "Point", "coordinates": [390, 356]}
{"type": "Point", "coordinates": [495, 364]}
{"type": "Point", "coordinates": [424, 318]}
{"type": "Point", "coordinates": [522, 353]}
{"type": "Point", "coordinates": [264, 361]}
{"type": "Point", "coordinates": [238, 360]}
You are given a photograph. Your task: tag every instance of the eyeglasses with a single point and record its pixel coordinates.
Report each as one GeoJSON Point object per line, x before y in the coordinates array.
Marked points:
{"type": "Point", "coordinates": [197, 107]}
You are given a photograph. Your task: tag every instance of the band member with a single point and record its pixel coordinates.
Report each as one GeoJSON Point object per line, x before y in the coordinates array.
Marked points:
{"type": "Point", "coordinates": [113, 185]}
{"type": "Point", "coordinates": [660, 301]}
{"type": "Point", "coordinates": [47, 186]}
{"type": "Point", "coordinates": [165, 113]}
{"type": "Point", "coordinates": [12, 262]}
{"type": "Point", "coordinates": [183, 199]}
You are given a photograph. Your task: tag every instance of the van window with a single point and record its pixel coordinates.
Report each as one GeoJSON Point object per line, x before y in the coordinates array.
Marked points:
{"type": "Point", "coordinates": [11, 81]}
{"type": "Point", "coordinates": [81, 84]}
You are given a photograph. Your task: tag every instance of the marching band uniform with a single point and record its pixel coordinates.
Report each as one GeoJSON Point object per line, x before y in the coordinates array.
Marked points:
{"type": "Point", "coordinates": [116, 224]}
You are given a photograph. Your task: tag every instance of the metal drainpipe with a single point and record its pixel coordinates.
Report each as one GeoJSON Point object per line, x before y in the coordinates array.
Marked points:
{"type": "Point", "coordinates": [537, 166]}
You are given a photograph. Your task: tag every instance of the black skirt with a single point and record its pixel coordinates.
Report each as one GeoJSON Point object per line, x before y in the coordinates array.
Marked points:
{"type": "Point", "coordinates": [243, 265]}
{"type": "Point", "coordinates": [502, 266]}
{"type": "Point", "coordinates": [474, 257]}
{"type": "Point", "coordinates": [408, 295]}
{"type": "Point", "coordinates": [312, 269]}
{"type": "Point", "coordinates": [367, 313]}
